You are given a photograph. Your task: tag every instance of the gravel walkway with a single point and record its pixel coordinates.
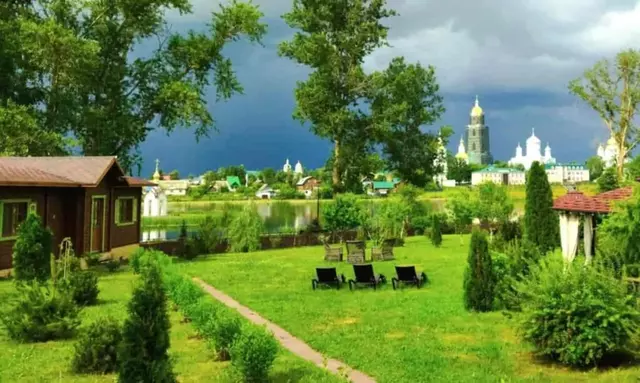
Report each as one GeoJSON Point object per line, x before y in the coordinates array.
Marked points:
{"type": "Point", "coordinates": [287, 340]}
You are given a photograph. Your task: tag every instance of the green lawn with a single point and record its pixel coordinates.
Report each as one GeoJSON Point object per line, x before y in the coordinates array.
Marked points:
{"type": "Point", "coordinates": [193, 361]}
{"type": "Point", "coordinates": [396, 336]}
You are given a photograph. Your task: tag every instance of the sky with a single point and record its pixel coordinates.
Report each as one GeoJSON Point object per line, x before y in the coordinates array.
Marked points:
{"type": "Point", "coordinates": [517, 56]}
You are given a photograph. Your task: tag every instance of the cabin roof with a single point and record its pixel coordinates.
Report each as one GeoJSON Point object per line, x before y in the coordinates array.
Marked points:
{"type": "Point", "coordinates": [576, 201]}
{"type": "Point", "coordinates": [71, 171]}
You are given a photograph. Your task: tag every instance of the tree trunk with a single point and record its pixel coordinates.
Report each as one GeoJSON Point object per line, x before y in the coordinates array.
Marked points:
{"type": "Point", "coordinates": [620, 161]}
{"type": "Point", "coordinates": [336, 160]}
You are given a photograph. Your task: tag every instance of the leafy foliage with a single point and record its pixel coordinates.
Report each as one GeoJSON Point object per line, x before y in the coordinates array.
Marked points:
{"type": "Point", "coordinates": [83, 288]}
{"type": "Point", "coordinates": [493, 204]}
{"type": "Point", "coordinates": [608, 180]}
{"type": "Point", "coordinates": [463, 208]}
{"type": "Point", "coordinates": [40, 314]}
{"type": "Point", "coordinates": [253, 353]}
{"type": "Point", "coordinates": [386, 220]}
{"type": "Point", "coordinates": [96, 351]}
{"type": "Point", "coordinates": [596, 167]}
{"type": "Point", "coordinates": [343, 214]}
{"type": "Point", "coordinates": [245, 230]}
{"type": "Point", "coordinates": [619, 234]}
{"type": "Point", "coordinates": [32, 250]}
{"type": "Point", "coordinates": [479, 281]}
{"type": "Point", "coordinates": [577, 315]}
{"type": "Point", "coordinates": [142, 355]}
{"type": "Point", "coordinates": [541, 224]}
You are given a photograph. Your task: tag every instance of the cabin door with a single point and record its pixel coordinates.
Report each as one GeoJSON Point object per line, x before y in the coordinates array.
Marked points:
{"type": "Point", "coordinates": [56, 220]}
{"type": "Point", "coordinates": [97, 224]}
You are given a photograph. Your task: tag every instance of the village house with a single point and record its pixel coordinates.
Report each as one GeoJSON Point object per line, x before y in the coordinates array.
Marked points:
{"type": "Point", "coordinates": [307, 185]}
{"type": "Point", "coordinates": [88, 199]}
{"type": "Point", "coordinates": [265, 192]}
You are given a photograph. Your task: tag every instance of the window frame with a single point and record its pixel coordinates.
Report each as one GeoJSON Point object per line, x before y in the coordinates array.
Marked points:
{"type": "Point", "coordinates": [134, 211]}
{"type": "Point", "coordinates": [31, 208]}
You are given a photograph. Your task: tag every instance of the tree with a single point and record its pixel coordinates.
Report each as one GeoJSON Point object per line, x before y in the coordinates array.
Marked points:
{"type": "Point", "coordinates": [268, 175]}
{"type": "Point", "coordinates": [32, 250]}
{"type": "Point", "coordinates": [540, 220]}
{"type": "Point", "coordinates": [333, 38]}
{"type": "Point", "coordinates": [595, 166]}
{"type": "Point", "coordinates": [633, 168]}
{"type": "Point", "coordinates": [69, 62]}
{"type": "Point", "coordinates": [613, 91]}
{"type": "Point", "coordinates": [436, 231]}
{"type": "Point", "coordinates": [404, 98]}
{"type": "Point", "coordinates": [458, 170]}
{"type": "Point", "coordinates": [463, 207]}
{"type": "Point", "coordinates": [143, 353]}
{"type": "Point", "coordinates": [608, 180]}
{"type": "Point", "coordinates": [174, 174]}
{"type": "Point", "coordinates": [479, 281]}
{"type": "Point", "coordinates": [494, 205]}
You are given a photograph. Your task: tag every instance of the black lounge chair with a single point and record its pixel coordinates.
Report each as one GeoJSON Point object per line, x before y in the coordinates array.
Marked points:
{"type": "Point", "coordinates": [365, 276]}
{"type": "Point", "coordinates": [408, 275]}
{"type": "Point", "coordinates": [327, 276]}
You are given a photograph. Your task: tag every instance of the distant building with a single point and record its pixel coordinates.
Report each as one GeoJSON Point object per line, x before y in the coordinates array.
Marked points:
{"type": "Point", "coordinates": [298, 169]}
{"type": "Point", "coordinates": [500, 176]}
{"type": "Point", "coordinates": [233, 182]}
{"type": "Point", "coordinates": [251, 173]}
{"type": "Point", "coordinates": [154, 202]}
{"type": "Point", "coordinates": [307, 185]}
{"type": "Point", "coordinates": [608, 152]}
{"type": "Point", "coordinates": [533, 153]}
{"type": "Point", "coordinates": [567, 173]}
{"type": "Point", "coordinates": [478, 138]}
{"type": "Point", "coordinates": [286, 167]}
{"type": "Point", "coordinates": [265, 192]}
{"type": "Point", "coordinates": [441, 162]}
{"type": "Point", "coordinates": [170, 187]}
{"type": "Point", "coordinates": [462, 152]}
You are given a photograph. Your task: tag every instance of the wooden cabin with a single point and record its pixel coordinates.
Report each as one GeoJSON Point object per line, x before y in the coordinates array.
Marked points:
{"type": "Point", "coordinates": [88, 199]}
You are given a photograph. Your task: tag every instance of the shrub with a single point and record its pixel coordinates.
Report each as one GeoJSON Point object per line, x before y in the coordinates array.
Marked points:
{"type": "Point", "coordinates": [113, 265]}
{"type": "Point", "coordinates": [92, 259]}
{"type": "Point", "coordinates": [420, 224]}
{"type": "Point", "coordinates": [41, 314]}
{"type": "Point", "coordinates": [435, 234]}
{"type": "Point", "coordinates": [134, 259]}
{"type": "Point", "coordinates": [540, 220]}
{"type": "Point", "coordinates": [142, 356]}
{"type": "Point", "coordinates": [576, 315]}
{"type": "Point", "coordinates": [222, 329]}
{"type": "Point", "coordinates": [83, 287]}
{"type": "Point", "coordinates": [97, 348]}
{"type": "Point", "coordinates": [608, 180]}
{"type": "Point", "coordinates": [343, 214]}
{"type": "Point", "coordinates": [245, 230]}
{"type": "Point", "coordinates": [253, 353]}
{"type": "Point", "coordinates": [478, 277]}
{"type": "Point", "coordinates": [32, 250]}
{"type": "Point", "coordinates": [207, 239]}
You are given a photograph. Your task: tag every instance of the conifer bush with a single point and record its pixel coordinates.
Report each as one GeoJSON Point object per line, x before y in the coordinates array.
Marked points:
{"type": "Point", "coordinates": [83, 288]}
{"type": "Point", "coordinates": [40, 314]}
{"type": "Point", "coordinates": [96, 351]}
{"type": "Point", "coordinates": [143, 353]}
{"type": "Point", "coordinates": [577, 315]}
{"type": "Point", "coordinates": [479, 281]}
{"type": "Point", "coordinates": [436, 230]}
{"type": "Point", "coordinates": [253, 352]}
{"type": "Point", "coordinates": [32, 250]}
{"type": "Point", "coordinates": [540, 220]}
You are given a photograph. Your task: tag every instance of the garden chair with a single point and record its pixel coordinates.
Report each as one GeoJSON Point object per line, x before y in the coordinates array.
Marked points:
{"type": "Point", "coordinates": [364, 275]}
{"type": "Point", "coordinates": [332, 254]}
{"type": "Point", "coordinates": [408, 275]}
{"type": "Point", "coordinates": [355, 252]}
{"type": "Point", "coordinates": [327, 276]}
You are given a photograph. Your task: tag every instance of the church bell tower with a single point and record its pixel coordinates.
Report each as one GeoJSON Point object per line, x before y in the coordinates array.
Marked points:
{"type": "Point", "coordinates": [478, 146]}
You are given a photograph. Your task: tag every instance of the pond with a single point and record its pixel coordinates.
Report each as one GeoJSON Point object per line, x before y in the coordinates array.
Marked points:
{"type": "Point", "coordinates": [278, 216]}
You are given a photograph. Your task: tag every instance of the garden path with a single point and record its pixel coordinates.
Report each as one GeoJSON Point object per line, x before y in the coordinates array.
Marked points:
{"type": "Point", "coordinates": [287, 340]}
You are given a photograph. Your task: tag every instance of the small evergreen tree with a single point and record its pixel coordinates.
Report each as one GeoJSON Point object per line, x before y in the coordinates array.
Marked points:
{"type": "Point", "coordinates": [540, 220]}
{"type": "Point", "coordinates": [436, 230]}
{"type": "Point", "coordinates": [608, 180]}
{"type": "Point", "coordinates": [32, 250]}
{"type": "Point", "coordinates": [145, 338]}
{"type": "Point", "coordinates": [478, 277]}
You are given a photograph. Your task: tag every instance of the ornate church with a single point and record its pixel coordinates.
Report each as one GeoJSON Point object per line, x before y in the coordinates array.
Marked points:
{"type": "Point", "coordinates": [609, 152]}
{"type": "Point", "coordinates": [478, 149]}
{"type": "Point", "coordinates": [532, 154]}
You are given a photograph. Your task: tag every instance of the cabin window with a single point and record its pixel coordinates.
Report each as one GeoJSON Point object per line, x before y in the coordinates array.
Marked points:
{"type": "Point", "coordinates": [126, 210]}
{"type": "Point", "coordinates": [13, 213]}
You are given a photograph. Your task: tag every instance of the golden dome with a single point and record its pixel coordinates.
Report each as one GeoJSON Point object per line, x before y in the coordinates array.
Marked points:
{"type": "Point", "coordinates": [462, 156]}
{"type": "Point", "coordinates": [476, 111]}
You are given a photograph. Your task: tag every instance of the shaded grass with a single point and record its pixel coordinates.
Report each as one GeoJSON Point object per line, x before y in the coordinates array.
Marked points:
{"type": "Point", "coordinates": [193, 360]}
{"type": "Point", "coordinates": [397, 336]}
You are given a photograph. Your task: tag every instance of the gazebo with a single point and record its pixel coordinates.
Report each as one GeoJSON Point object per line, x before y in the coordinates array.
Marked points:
{"type": "Point", "coordinates": [574, 206]}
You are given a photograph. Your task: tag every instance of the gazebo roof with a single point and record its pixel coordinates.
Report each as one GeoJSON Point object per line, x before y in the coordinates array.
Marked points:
{"type": "Point", "coordinates": [576, 201]}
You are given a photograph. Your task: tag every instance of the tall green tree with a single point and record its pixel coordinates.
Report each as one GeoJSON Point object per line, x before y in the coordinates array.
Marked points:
{"type": "Point", "coordinates": [494, 205]}
{"type": "Point", "coordinates": [479, 280]}
{"type": "Point", "coordinates": [595, 166]}
{"type": "Point", "coordinates": [608, 180]}
{"type": "Point", "coordinates": [541, 224]}
{"type": "Point", "coordinates": [333, 37]}
{"type": "Point", "coordinates": [70, 61]}
{"type": "Point", "coordinates": [612, 89]}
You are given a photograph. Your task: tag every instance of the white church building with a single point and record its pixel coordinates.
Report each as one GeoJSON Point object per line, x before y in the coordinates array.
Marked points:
{"type": "Point", "coordinates": [532, 154]}
{"type": "Point", "coordinates": [298, 169]}
{"type": "Point", "coordinates": [154, 202]}
{"type": "Point", "coordinates": [608, 152]}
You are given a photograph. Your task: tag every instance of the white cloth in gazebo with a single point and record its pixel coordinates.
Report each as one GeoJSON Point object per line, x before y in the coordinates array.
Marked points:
{"type": "Point", "coordinates": [569, 228]}
{"type": "Point", "coordinates": [588, 238]}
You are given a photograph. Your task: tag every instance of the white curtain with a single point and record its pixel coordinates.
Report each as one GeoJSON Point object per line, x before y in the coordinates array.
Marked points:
{"type": "Point", "coordinates": [563, 234]}
{"type": "Point", "coordinates": [588, 238]}
{"type": "Point", "coordinates": [573, 231]}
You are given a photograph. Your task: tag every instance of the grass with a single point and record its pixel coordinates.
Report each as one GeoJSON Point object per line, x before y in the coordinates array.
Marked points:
{"type": "Point", "coordinates": [193, 360]}
{"type": "Point", "coordinates": [397, 336]}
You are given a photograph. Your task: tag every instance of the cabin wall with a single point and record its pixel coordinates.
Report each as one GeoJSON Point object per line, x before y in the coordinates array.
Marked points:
{"type": "Point", "coordinates": [126, 234]}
